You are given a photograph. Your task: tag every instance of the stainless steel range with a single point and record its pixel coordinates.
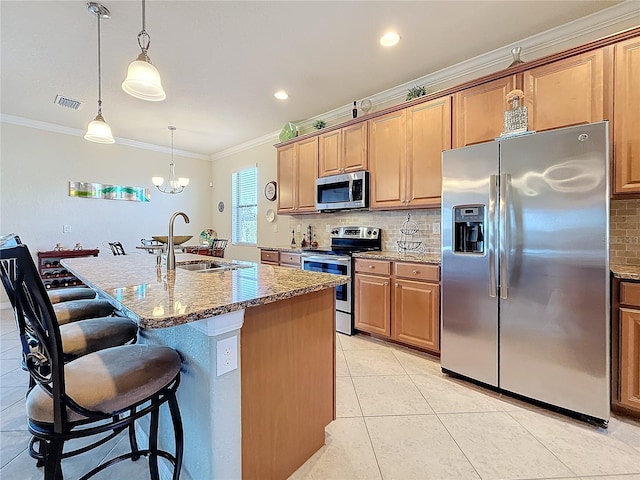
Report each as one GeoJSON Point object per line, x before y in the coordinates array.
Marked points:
{"type": "Point", "coordinates": [337, 259]}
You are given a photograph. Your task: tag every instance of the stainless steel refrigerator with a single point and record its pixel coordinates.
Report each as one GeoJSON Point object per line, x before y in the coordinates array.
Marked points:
{"type": "Point", "coordinates": [525, 266]}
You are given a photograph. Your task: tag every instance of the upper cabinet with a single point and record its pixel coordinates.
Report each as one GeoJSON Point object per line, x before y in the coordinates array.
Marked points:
{"type": "Point", "coordinates": [343, 150]}
{"type": "Point", "coordinates": [405, 152]}
{"type": "Point", "coordinates": [626, 128]}
{"type": "Point", "coordinates": [297, 167]}
{"type": "Point", "coordinates": [567, 92]}
{"type": "Point", "coordinates": [478, 114]}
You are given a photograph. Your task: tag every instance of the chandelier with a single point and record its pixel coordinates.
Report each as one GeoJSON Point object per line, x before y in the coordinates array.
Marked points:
{"type": "Point", "coordinates": [173, 184]}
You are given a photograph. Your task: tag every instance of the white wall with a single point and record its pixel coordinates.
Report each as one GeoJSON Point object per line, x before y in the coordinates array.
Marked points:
{"type": "Point", "coordinates": [36, 167]}
{"type": "Point", "coordinates": [264, 157]}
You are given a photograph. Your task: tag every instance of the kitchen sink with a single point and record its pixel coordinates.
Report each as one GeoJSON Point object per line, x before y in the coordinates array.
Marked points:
{"type": "Point", "coordinates": [204, 267]}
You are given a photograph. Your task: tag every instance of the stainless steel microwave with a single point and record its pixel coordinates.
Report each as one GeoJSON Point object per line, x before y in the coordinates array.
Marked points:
{"type": "Point", "coordinates": [344, 191]}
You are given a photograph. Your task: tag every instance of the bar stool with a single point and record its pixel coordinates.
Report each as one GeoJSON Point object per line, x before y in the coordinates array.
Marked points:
{"type": "Point", "coordinates": [98, 393]}
{"type": "Point", "coordinates": [60, 295]}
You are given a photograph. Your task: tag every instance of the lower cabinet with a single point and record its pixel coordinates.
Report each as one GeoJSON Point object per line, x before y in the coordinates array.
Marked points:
{"type": "Point", "coordinates": [269, 257]}
{"type": "Point", "coordinates": [625, 340]}
{"type": "Point", "coordinates": [630, 358]}
{"type": "Point", "coordinates": [400, 301]}
{"type": "Point", "coordinates": [281, 258]}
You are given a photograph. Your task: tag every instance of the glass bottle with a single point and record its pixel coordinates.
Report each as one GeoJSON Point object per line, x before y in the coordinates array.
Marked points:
{"type": "Point", "coordinates": [355, 110]}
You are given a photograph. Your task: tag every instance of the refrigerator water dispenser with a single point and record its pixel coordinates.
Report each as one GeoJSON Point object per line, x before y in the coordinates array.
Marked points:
{"type": "Point", "coordinates": [469, 229]}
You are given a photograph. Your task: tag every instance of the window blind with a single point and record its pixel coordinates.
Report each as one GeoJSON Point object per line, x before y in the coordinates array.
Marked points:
{"type": "Point", "coordinates": [244, 206]}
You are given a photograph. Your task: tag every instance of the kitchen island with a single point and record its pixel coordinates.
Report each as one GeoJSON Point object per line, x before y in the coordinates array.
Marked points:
{"type": "Point", "coordinates": [266, 417]}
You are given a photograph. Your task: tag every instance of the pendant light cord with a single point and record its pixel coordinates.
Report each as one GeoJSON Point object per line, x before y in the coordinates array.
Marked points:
{"type": "Point", "coordinates": [144, 40]}
{"type": "Point", "coordinates": [99, 70]}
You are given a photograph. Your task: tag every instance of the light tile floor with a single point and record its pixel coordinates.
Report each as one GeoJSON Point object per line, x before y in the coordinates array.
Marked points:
{"type": "Point", "coordinates": [398, 418]}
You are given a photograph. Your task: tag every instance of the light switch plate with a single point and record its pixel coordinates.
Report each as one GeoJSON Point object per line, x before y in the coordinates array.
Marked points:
{"type": "Point", "coordinates": [226, 355]}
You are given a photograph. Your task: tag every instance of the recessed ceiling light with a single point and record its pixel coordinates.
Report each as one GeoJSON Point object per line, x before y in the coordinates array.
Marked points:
{"type": "Point", "coordinates": [281, 95]}
{"type": "Point", "coordinates": [389, 39]}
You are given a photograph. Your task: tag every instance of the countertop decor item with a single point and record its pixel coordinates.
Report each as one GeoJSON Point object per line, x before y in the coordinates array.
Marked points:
{"type": "Point", "coordinates": [177, 239]}
{"type": "Point", "coordinates": [271, 191]}
{"type": "Point", "coordinates": [516, 118]}
{"type": "Point", "coordinates": [173, 184]}
{"type": "Point", "coordinates": [207, 236]}
{"type": "Point", "coordinates": [288, 132]}
{"type": "Point", "coordinates": [516, 57]}
{"type": "Point", "coordinates": [415, 92]}
{"type": "Point", "coordinates": [410, 237]}
{"type": "Point", "coordinates": [319, 124]}
{"type": "Point", "coordinates": [143, 79]}
{"type": "Point", "coordinates": [98, 130]}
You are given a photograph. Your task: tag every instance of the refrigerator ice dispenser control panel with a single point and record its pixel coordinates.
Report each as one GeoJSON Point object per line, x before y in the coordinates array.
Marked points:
{"type": "Point", "coordinates": [469, 229]}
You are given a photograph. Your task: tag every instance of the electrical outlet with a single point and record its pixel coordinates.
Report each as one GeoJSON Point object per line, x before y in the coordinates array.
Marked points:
{"type": "Point", "coordinates": [327, 228]}
{"type": "Point", "coordinates": [226, 355]}
{"type": "Point", "coordinates": [66, 228]}
{"type": "Point", "coordinates": [298, 228]}
{"type": "Point", "coordinates": [435, 228]}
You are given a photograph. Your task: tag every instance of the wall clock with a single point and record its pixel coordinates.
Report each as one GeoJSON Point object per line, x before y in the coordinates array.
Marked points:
{"type": "Point", "coordinates": [221, 206]}
{"type": "Point", "coordinates": [271, 191]}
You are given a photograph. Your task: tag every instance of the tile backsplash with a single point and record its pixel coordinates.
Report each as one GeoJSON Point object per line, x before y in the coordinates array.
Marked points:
{"type": "Point", "coordinates": [389, 221]}
{"type": "Point", "coordinates": [624, 231]}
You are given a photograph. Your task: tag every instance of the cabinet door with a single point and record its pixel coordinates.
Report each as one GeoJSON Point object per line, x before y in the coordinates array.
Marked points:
{"type": "Point", "coordinates": [566, 92]}
{"type": "Point", "coordinates": [630, 358]}
{"type": "Point", "coordinates": [286, 178]}
{"type": "Point", "coordinates": [415, 314]}
{"type": "Point", "coordinates": [307, 163]}
{"type": "Point", "coordinates": [478, 112]}
{"type": "Point", "coordinates": [626, 127]}
{"type": "Point", "coordinates": [373, 304]}
{"type": "Point", "coordinates": [387, 157]}
{"type": "Point", "coordinates": [329, 145]}
{"type": "Point", "coordinates": [428, 134]}
{"type": "Point", "coordinates": [354, 148]}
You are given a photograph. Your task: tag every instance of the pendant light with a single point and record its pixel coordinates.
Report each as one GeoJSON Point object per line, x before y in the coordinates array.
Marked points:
{"type": "Point", "coordinates": [173, 185]}
{"type": "Point", "coordinates": [143, 79]}
{"type": "Point", "coordinates": [98, 130]}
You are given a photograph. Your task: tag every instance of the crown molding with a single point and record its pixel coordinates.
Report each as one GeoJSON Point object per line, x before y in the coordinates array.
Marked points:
{"type": "Point", "coordinates": [273, 137]}
{"type": "Point", "coordinates": [52, 127]}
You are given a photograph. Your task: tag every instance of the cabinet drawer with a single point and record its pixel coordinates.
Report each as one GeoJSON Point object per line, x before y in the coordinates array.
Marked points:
{"type": "Point", "coordinates": [418, 271]}
{"type": "Point", "coordinates": [269, 256]}
{"type": "Point", "coordinates": [630, 293]}
{"type": "Point", "coordinates": [292, 259]}
{"type": "Point", "coordinates": [381, 267]}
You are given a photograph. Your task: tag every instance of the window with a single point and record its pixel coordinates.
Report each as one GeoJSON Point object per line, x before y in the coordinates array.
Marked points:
{"type": "Point", "coordinates": [244, 206]}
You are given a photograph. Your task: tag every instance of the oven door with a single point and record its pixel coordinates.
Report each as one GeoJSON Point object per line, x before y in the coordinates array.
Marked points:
{"type": "Point", "coordinates": [337, 265]}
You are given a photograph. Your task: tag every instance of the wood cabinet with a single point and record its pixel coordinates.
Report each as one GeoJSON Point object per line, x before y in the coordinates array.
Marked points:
{"type": "Point", "coordinates": [269, 257]}
{"type": "Point", "coordinates": [567, 92]}
{"type": "Point", "coordinates": [630, 358]}
{"type": "Point", "coordinates": [405, 155]}
{"type": "Point", "coordinates": [281, 258]}
{"type": "Point", "coordinates": [399, 300]}
{"type": "Point", "coordinates": [625, 354]}
{"type": "Point", "coordinates": [478, 112]}
{"type": "Point", "coordinates": [288, 259]}
{"type": "Point", "coordinates": [343, 150]}
{"type": "Point", "coordinates": [297, 167]}
{"type": "Point", "coordinates": [626, 127]}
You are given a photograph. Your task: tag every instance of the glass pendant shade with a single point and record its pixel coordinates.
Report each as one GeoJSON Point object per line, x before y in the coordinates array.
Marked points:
{"type": "Point", "coordinates": [99, 131]}
{"type": "Point", "coordinates": [143, 80]}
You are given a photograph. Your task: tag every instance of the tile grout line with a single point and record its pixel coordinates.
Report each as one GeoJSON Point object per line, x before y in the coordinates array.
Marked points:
{"type": "Point", "coordinates": [459, 447]}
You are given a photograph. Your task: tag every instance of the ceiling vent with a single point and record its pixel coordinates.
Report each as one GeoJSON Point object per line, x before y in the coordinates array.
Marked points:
{"type": "Point", "coordinates": [67, 102]}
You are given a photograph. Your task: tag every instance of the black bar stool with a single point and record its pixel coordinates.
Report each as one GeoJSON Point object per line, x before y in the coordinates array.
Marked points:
{"type": "Point", "coordinates": [101, 392]}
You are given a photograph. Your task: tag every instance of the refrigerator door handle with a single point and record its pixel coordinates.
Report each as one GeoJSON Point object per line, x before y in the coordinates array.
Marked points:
{"type": "Point", "coordinates": [505, 179]}
{"type": "Point", "coordinates": [492, 225]}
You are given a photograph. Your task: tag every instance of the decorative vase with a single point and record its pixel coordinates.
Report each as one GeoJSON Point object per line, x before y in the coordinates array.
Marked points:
{"type": "Point", "coordinates": [516, 56]}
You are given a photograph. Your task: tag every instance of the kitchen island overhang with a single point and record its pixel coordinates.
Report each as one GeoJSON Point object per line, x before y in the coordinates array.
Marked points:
{"type": "Point", "coordinates": [275, 405]}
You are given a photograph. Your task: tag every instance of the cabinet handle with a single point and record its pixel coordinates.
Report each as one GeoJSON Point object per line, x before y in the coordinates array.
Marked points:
{"type": "Point", "coordinates": [386, 283]}
{"type": "Point", "coordinates": [397, 285]}
{"type": "Point", "coordinates": [415, 272]}
{"type": "Point", "coordinates": [371, 266]}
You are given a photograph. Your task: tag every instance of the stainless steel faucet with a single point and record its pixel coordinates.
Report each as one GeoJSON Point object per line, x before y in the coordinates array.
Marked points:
{"type": "Point", "coordinates": [171, 254]}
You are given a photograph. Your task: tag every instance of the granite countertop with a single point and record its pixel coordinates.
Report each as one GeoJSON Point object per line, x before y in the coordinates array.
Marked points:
{"type": "Point", "coordinates": [432, 258]}
{"type": "Point", "coordinates": [626, 272]}
{"type": "Point", "coordinates": [157, 299]}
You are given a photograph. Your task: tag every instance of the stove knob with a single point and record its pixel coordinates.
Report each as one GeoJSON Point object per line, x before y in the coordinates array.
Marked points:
{"type": "Point", "coordinates": [369, 232]}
